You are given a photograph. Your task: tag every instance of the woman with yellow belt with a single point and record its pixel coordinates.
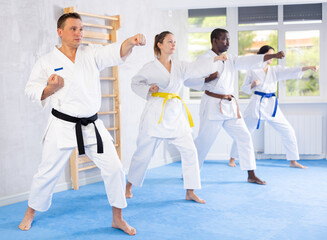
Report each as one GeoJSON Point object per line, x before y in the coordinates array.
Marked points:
{"type": "Point", "coordinates": [163, 118]}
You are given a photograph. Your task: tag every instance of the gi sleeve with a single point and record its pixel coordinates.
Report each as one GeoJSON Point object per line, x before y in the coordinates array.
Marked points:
{"type": "Point", "coordinates": [285, 73]}
{"type": "Point", "coordinates": [38, 80]}
{"type": "Point", "coordinates": [140, 84]}
{"type": "Point", "coordinates": [196, 72]}
{"type": "Point", "coordinates": [107, 56]}
{"type": "Point", "coordinates": [246, 86]}
{"type": "Point", "coordinates": [249, 62]}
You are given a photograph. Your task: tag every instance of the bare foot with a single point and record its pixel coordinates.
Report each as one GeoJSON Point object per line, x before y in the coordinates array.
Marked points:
{"type": "Point", "coordinates": [26, 223]}
{"type": "Point", "coordinates": [232, 162]}
{"type": "Point", "coordinates": [129, 193]}
{"type": "Point", "coordinates": [122, 225]}
{"type": "Point", "coordinates": [295, 164]}
{"type": "Point", "coordinates": [256, 180]}
{"type": "Point", "coordinates": [191, 196]}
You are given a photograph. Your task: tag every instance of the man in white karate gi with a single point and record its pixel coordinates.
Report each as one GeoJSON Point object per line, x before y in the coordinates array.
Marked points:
{"type": "Point", "coordinates": [69, 78]}
{"type": "Point", "coordinates": [219, 109]}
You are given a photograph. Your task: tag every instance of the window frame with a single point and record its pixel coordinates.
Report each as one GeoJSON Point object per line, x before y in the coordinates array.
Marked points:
{"type": "Point", "coordinates": [233, 27]}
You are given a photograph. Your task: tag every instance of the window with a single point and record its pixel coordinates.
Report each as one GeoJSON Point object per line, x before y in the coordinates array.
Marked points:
{"type": "Point", "coordinates": [295, 29]}
{"type": "Point", "coordinates": [302, 13]}
{"type": "Point", "coordinates": [262, 15]}
{"type": "Point", "coordinates": [302, 49]}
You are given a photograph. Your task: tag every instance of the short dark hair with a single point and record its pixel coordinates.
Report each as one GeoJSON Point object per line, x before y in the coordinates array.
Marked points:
{"type": "Point", "coordinates": [159, 39]}
{"type": "Point", "coordinates": [216, 33]}
{"type": "Point", "coordinates": [64, 17]}
{"type": "Point", "coordinates": [264, 49]}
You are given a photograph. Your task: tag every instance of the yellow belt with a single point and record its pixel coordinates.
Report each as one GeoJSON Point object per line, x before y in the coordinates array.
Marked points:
{"type": "Point", "coordinates": [168, 96]}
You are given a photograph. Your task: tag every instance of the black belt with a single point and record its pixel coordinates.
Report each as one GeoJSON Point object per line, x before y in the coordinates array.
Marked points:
{"type": "Point", "coordinates": [78, 129]}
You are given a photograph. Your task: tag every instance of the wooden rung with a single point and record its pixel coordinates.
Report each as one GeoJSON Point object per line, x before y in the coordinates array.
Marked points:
{"type": "Point", "coordinates": [105, 113]}
{"type": "Point", "coordinates": [109, 95]}
{"type": "Point", "coordinates": [87, 42]}
{"type": "Point", "coordinates": [83, 159]}
{"type": "Point", "coordinates": [87, 168]}
{"type": "Point", "coordinates": [112, 129]}
{"type": "Point", "coordinates": [108, 78]}
{"type": "Point", "coordinates": [97, 25]}
{"type": "Point", "coordinates": [116, 145]}
{"type": "Point", "coordinates": [98, 16]}
{"type": "Point", "coordinates": [96, 35]}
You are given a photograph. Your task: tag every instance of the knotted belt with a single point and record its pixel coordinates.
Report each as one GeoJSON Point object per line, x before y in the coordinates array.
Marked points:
{"type": "Point", "coordinates": [224, 97]}
{"type": "Point", "coordinates": [78, 129]}
{"type": "Point", "coordinates": [266, 95]}
{"type": "Point", "coordinates": [168, 96]}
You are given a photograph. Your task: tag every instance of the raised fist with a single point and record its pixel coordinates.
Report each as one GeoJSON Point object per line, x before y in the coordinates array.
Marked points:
{"type": "Point", "coordinates": [138, 40]}
{"type": "Point", "coordinates": [55, 82]}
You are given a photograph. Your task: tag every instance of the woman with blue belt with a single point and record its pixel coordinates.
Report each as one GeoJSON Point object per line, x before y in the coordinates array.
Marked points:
{"type": "Point", "coordinates": [263, 104]}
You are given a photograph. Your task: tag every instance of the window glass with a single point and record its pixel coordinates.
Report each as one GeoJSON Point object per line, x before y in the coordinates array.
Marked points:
{"type": "Point", "coordinates": [261, 15]}
{"type": "Point", "coordinates": [302, 49]}
{"type": "Point", "coordinates": [207, 18]}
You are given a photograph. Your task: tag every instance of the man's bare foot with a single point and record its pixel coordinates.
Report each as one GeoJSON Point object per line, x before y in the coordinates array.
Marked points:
{"type": "Point", "coordinates": [123, 225]}
{"type": "Point", "coordinates": [26, 223]}
{"type": "Point", "coordinates": [256, 180]}
{"type": "Point", "coordinates": [232, 162]}
{"type": "Point", "coordinates": [252, 178]}
{"type": "Point", "coordinates": [191, 196]}
{"type": "Point", "coordinates": [129, 193]}
{"type": "Point", "coordinates": [119, 223]}
{"type": "Point", "coordinates": [295, 164]}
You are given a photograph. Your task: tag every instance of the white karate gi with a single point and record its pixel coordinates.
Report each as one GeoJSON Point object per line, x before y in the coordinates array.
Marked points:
{"type": "Point", "coordinates": [174, 127]}
{"type": "Point", "coordinates": [268, 84]}
{"type": "Point", "coordinates": [80, 97]}
{"type": "Point", "coordinates": [211, 118]}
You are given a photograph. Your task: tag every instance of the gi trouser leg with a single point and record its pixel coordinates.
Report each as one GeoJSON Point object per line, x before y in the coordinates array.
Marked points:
{"type": "Point", "coordinates": [189, 158]}
{"type": "Point", "coordinates": [54, 161]}
{"type": "Point", "coordinates": [237, 129]}
{"type": "Point", "coordinates": [48, 173]}
{"type": "Point", "coordinates": [284, 128]}
{"type": "Point", "coordinates": [208, 132]}
{"type": "Point", "coordinates": [251, 124]}
{"type": "Point", "coordinates": [111, 170]}
{"type": "Point", "coordinates": [146, 147]}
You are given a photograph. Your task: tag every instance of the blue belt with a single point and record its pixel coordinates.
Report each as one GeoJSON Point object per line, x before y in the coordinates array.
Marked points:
{"type": "Point", "coordinates": [266, 95]}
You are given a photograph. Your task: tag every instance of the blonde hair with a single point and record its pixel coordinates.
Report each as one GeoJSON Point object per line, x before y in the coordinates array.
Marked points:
{"type": "Point", "coordinates": [159, 39]}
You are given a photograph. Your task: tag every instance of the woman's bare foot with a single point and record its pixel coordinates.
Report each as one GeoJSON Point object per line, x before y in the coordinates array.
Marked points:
{"type": "Point", "coordinates": [191, 196]}
{"type": "Point", "coordinates": [119, 223]}
{"type": "Point", "coordinates": [252, 178]}
{"type": "Point", "coordinates": [295, 164]}
{"type": "Point", "coordinates": [129, 193]}
{"type": "Point", "coordinates": [232, 162]}
{"type": "Point", "coordinates": [26, 223]}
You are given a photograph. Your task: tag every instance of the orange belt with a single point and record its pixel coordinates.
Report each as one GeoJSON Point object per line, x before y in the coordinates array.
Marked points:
{"type": "Point", "coordinates": [224, 97]}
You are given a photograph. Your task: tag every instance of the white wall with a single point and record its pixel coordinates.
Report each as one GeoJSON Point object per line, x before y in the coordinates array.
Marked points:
{"type": "Point", "coordinates": [29, 31]}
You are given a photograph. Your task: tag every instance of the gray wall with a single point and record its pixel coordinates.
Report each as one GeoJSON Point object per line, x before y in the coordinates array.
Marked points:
{"type": "Point", "coordinates": [27, 32]}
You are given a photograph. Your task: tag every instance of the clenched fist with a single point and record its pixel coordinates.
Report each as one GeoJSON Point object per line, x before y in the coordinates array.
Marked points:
{"type": "Point", "coordinates": [55, 83]}
{"type": "Point", "coordinates": [280, 55]}
{"type": "Point", "coordinates": [222, 57]}
{"type": "Point", "coordinates": [153, 89]}
{"type": "Point", "coordinates": [138, 40]}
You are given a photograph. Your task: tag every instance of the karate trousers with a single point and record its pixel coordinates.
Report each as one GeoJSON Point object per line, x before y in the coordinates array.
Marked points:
{"type": "Point", "coordinates": [283, 127]}
{"type": "Point", "coordinates": [54, 161]}
{"type": "Point", "coordinates": [146, 146]}
{"type": "Point", "coordinates": [237, 129]}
